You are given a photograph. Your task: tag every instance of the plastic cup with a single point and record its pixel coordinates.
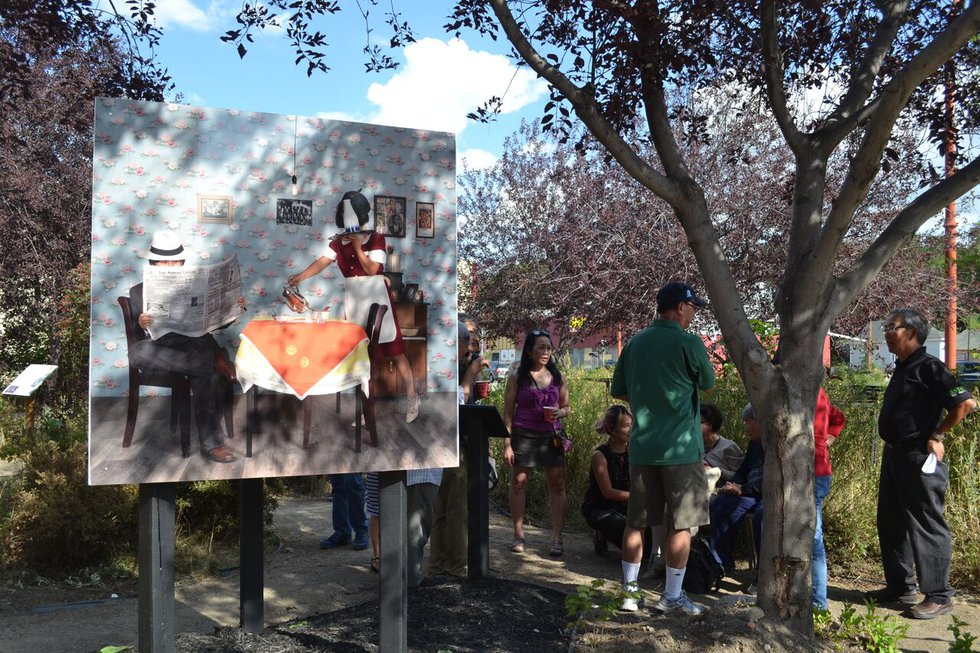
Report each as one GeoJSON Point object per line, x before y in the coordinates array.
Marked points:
{"type": "Point", "coordinates": [482, 389]}
{"type": "Point", "coordinates": [550, 413]}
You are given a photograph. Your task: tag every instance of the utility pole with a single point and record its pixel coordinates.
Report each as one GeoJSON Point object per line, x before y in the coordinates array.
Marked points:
{"type": "Point", "coordinates": [950, 223]}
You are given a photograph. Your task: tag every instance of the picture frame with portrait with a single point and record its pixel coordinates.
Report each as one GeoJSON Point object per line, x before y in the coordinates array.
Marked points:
{"type": "Point", "coordinates": [214, 209]}
{"type": "Point", "coordinates": [411, 292]}
{"type": "Point", "coordinates": [389, 215]}
{"type": "Point", "coordinates": [425, 220]}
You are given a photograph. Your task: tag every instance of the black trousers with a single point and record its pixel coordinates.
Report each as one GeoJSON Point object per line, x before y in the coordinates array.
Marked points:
{"type": "Point", "coordinates": [612, 526]}
{"type": "Point", "coordinates": [194, 357]}
{"type": "Point", "coordinates": [911, 525]}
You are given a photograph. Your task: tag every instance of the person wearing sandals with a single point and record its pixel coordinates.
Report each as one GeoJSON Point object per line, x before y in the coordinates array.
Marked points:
{"type": "Point", "coordinates": [535, 401]}
{"type": "Point", "coordinates": [604, 505]}
{"type": "Point", "coordinates": [422, 486]}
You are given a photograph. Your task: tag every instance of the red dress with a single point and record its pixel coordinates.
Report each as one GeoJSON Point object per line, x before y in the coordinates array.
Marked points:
{"type": "Point", "coordinates": [346, 259]}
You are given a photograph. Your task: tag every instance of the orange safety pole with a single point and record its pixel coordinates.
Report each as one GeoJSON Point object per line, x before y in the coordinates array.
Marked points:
{"type": "Point", "coordinates": [950, 222]}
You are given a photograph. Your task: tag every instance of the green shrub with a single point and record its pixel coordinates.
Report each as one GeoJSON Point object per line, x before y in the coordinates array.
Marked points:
{"type": "Point", "coordinates": [59, 524]}
{"type": "Point", "coordinates": [849, 511]}
{"type": "Point", "coordinates": [870, 631]}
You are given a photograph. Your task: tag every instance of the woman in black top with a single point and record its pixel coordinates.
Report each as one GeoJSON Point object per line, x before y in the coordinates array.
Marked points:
{"type": "Point", "coordinates": [604, 507]}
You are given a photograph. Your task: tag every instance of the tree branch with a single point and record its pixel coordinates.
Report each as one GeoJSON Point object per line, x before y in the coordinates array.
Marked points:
{"type": "Point", "coordinates": [840, 123]}
{"type": "Point", "coordinates": [773, 71]}
{"type": "Point", "coordinates": [587, 110]}
{"type": "Point", "coordinates": [888, 106]}
{"type": "Point", "coordinates": [903, 227]}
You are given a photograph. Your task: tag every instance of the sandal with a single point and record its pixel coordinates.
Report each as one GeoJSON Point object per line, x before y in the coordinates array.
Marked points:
{"type": "Point", "coordinates": [517, 545]}
{"type": "Point", "coordinates": [557, 549]}
{"type": "Point", "coordinates": [376, 565]}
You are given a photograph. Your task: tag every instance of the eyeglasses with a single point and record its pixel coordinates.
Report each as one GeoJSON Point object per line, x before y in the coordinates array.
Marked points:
{"type": "Point", "coordinates": [538, 333]}
{"type": "Point", "coordinates": [888, 328]}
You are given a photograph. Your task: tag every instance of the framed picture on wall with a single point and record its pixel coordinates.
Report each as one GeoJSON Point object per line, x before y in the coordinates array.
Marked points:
{"type": "Point", "coordinates": [411, 290]}
{"type": "Point", "coordinates": [425, 220]}
{"type": "Point", "coordinates": [389, 215]}
{"type": "Point", "coordinates": [214, 208]}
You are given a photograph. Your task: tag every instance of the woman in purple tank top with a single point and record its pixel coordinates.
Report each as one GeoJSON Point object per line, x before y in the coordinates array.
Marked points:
{"type": "Point", "coordinates": [535, 400]}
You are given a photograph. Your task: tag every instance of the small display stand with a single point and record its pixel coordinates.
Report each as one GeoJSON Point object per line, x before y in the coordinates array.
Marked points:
{"type": "Point", "coordinates": [479, 423]}
{"type": "Point", "coordinates": [24, 386]}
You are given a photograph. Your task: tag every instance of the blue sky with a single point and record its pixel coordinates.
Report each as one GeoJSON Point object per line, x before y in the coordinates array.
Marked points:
{"type": "Point", "coordinates": [439, 81]}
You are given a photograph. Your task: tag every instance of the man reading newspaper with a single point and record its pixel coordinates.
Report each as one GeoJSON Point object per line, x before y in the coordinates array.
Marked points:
{"type": "Point", "coordinates": [185, 345]}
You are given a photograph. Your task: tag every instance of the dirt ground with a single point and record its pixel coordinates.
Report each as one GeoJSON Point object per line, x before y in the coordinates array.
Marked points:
{"type": "Point", "coordinates": [327, 601]}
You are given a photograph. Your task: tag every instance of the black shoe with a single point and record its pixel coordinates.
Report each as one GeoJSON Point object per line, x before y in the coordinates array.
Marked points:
{"type": "Point", "coordinates": [888, 595]}
{"type": "Point", "coordinates": [601, 545]}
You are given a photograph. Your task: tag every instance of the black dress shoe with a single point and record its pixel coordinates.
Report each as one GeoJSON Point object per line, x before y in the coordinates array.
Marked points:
{"type": "Point", "coordinates": [601, 545]}
{"type": "Point", "coordinates": [929, 609]}
{"type": "Point", "coordinates": [888, 595]}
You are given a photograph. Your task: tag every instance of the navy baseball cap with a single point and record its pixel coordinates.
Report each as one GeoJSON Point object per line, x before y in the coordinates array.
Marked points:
{"type": "Point", "coordinates": [676, 292]}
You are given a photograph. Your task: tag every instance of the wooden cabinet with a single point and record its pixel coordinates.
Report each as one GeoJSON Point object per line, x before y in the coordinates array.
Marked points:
{"type": "Point", "coordinates": [413, 320]}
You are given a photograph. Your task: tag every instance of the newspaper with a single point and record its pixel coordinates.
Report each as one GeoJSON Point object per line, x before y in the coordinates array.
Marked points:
{"type": "Point", "coordinates": [192, 300]}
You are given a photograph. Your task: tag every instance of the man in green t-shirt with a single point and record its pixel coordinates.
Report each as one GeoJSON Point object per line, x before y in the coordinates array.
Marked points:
{"type": "Point", "coordinates": [659, 373]}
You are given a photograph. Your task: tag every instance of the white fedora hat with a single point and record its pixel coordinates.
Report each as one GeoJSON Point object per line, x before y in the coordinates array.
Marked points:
{"type": "Point", "coordinates": [165, 246]}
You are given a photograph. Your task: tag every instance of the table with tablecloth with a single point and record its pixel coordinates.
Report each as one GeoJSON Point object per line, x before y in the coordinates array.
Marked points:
{"type": "Point", "coordinates": [304, 358]}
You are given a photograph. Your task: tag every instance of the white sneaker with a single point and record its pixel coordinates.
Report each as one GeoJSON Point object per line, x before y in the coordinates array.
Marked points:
{"type": "Point", "coordinates": [630, 604]}
{"type": "Point", "coordinates": [682, 603]}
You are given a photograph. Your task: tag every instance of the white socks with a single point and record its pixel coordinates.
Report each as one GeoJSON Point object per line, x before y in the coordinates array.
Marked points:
{"type": "Point", "coordinates": [631, 571]}
{"type": "Point", "coordinates": [675, 581]}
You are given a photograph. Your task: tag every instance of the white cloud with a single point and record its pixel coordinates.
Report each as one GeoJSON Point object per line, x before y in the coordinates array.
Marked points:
{"type": "Point", "coordinates": [475, 159]}
{"type": "Point", "coordinates": [182, 13]}
{"type": "Point", "coordinates": [443, 81]}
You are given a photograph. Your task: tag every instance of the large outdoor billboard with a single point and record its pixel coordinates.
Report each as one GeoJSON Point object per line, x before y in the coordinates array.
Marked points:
{"type": "Point", "coordinates": [201, 218]}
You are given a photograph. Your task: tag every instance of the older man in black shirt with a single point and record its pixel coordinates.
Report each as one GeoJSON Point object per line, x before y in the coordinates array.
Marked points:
{"type": "Point", "coordinates": [912, 489]}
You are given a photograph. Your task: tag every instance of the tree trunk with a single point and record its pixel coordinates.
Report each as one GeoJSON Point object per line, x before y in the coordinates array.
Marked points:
{"type": "Point", "coordinates": [789, 516]}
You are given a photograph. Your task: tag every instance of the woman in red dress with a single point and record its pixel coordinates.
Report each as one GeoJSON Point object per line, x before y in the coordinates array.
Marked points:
{"type": "Point", "coordinates": [360, 253]}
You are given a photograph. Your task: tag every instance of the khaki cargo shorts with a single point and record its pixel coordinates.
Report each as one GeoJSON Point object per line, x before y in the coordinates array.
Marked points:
{"type": "Point", "coordinates": [674, 495]}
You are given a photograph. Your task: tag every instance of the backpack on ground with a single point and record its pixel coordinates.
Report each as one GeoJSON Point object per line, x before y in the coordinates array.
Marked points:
{"type": "Point", "coordinates": [704, 573]}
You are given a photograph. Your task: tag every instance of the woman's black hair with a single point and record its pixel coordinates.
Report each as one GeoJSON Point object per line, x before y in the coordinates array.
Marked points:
{"type": "Point", "coordinates": [713, 416]}
{"type": "Point", "coordinates": [524, 368]}
{"type": "Point", "coordinates": [358, 202]}
{"type": "Point", "coordinates": [610, 419]}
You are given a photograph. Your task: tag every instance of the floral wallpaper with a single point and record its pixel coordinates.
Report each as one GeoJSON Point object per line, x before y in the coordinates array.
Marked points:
{"type": "Point", "coordinates": [153, 160]}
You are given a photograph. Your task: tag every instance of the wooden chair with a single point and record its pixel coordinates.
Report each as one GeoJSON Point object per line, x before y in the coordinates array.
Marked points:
{"type": "Point", "coordinates": [373, 328]}
{"type": "Point", "coordinates": [180, 402]}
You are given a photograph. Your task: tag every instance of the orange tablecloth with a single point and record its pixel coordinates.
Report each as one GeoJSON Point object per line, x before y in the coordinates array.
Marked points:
{"type": "Point", "coordinates": [303, 358]}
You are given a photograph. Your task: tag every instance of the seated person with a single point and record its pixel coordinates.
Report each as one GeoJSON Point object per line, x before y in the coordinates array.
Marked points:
{"type": "Point", "coordinates": [718, 451]}
{"type": "Point", "coordinates": [200, 358]}
{"type": "Point", "coordinates": [604, 506]}
{"type": "Point", "coordinates": [739, 497]}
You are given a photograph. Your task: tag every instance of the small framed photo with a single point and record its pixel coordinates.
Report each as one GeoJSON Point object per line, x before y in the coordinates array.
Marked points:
{"type": "Point", "coordinates": [425, 220]}
{"type": "Point", "coordinates": [214, 208]}
{"type": "Point", "coordinates": [411, 290]}
{"type": "Point", "coordinates": [293, 211]}
{"type": "Point", "coordinates": [389, 215]}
